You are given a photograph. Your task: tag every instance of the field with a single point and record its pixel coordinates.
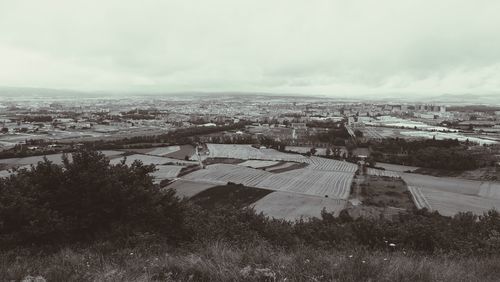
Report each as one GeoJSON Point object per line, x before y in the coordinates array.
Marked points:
{"type": "Point", "coordinates": [305, 150]}
{"type": "Point", "coordinates": [452, 195]}
{"type": "Point", "coordinates": [147, 159]}
{"type": "Point", "coordinates": [258, 163]}
{"type": "Point", "coordinates": [449, 203]}
{"type": "Point", "coordinates": [188, 188]}
{"type": "Point", "coordinates": [446, 184]}
{"type": "Point", "coordinates": [55, 158]}
{"type": "Point", "coordinates": [292, 206]}
{"type": "Point", "coordinates": [166, 172]}
{"type": "Point", "coordinates": [235, 195]}
{"type": "Point", "coordinates": [223, 173]}
{"type": "Point", "coordinates": [303, 181]}
{"type": "Point", "coordinates": [247, 152]}
{"type": "Point", "coordinates": [385, 192]}
{"type": "Point", "coordinates": [162, 151]}
{"type": "Point", "coordinates": [396, 167]}
{"type": "Point", "coordinates": [381, 172]}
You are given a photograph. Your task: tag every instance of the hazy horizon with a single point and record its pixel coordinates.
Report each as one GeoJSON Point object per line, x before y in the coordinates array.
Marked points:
{"type": "Point", "coordinates": [332, 48]}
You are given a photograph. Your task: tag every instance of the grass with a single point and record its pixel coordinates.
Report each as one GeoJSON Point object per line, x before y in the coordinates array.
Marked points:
{"type": "Point", "coordinates": [232, 194]}
{"type": "Point", "coordinates": [218, 261]}
{"type": "Point", "coordinates": [385, 191]}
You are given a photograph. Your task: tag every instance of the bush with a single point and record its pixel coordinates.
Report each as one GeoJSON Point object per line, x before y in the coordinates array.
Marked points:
{"type": "Point", "coordinates": [82, 199]}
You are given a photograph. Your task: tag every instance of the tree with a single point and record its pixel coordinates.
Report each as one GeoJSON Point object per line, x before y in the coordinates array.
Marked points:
{"type": "Point", "coordinates": [84, 198]}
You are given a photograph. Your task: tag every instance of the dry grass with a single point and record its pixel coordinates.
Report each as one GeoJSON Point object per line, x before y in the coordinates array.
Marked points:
{"type": "Point", "coordinates": [222, 262]}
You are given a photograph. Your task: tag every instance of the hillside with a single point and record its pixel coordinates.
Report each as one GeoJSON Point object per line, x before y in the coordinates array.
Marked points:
{"type": "Point", "coordinates": [91, 220]}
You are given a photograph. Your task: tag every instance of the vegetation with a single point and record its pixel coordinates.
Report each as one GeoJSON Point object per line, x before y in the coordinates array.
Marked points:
{"type": "Point", "coordinates": [438, 154]}
{"type": "Point", "coordinates": [109, 222]}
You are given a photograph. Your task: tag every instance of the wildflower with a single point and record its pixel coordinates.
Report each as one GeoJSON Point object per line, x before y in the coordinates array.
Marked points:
{"type": "Point", "coordinates": [385, 259]}
{"type": "Point", "coordinates": [392, 245]}
{"type": "Point", "coordinates": [350, 256]}
{"type": "Point", "coordinates": [307, 261]}
{"type": "Point", "coordinates": [363, 261]}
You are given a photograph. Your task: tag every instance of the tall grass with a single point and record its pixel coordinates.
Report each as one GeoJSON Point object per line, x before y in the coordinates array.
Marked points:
{"type": "Point", "coordinates": [218, 261]}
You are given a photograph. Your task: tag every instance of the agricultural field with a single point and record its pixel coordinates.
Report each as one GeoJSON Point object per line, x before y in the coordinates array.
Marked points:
{"type": "Point", "coordinates": [292, 206]}
{"type": "Point", "coordinates": [451, 195]}
{"type": "Point", "coordinates": [381, 172]}
{"type": "Point", "coordinates": [385, 192]}
{"type": "Point", "coordinates": [333, 184]}
{"type": "Point", "coordinates": [183, 152]}
{"type": "Point", "coordinates": [449, 203]}
{"type": "Point", "coordinates": [303, 181]}
{"type": "Point", "coordinates": [188, 188]}
{"type": "Point", "coordinates": [55, 158]}
{"type": "Point", "coordinates": [166, 172]}
{"type": "Point", "coordinates": [396, 167]}
{"type": "Point", "coordinates": [163, 151]}
{"type": "Point", "coordinates": [318, 163]}
{"type": "Point", "coordinates": [223, 173]}
{"type": "Point", "coordinates": [236, 195]}
{"type": "Point", "coordinates": [147, 159]}
{"type": "Point", "coordinates": [247, 152]}
{"type": "Point", "coordinates": [446, 184]}
{"type": "Point", "coordinates": [305, 150]}
{"type": "Point", "coordinates": [258, 163]}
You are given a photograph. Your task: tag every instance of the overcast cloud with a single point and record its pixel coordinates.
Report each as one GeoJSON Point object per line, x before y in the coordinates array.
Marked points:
{"type": "Point", "coordinates": [310, 46]}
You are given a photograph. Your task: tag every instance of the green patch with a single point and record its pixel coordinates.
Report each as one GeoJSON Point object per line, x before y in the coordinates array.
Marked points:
{"type": "Point", "coordinates": [386, 192]}
{"type": "Point", "coordinates": [232, 194]}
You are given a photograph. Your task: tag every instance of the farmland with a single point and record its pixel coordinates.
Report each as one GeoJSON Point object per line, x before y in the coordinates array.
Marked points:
{"type": "Point", "coordinates": [188, 188]}
{"type": "Point", "coordinates": [147, 159]}
{"type": "Point", "coordinates": [258, 163]}
{"type": "Point", "coordinates": [166, 172]}
{"type": "Point", "coordinates": [449, 203]}
{"type": "Point", "coordinates": [381, 172]}
{"type": "Point", "coordinates": [223, 173]}
{"type": "Point", "coordinates": [55, 158]}
{"type": "Point", "coordinates": [247, 152]}
{"type": "Point", "coordinates": [303, 181]}
{"type": "Point", "coordinates": [449, 195]}
{"type": "Point", "coordinates": [292, 206]}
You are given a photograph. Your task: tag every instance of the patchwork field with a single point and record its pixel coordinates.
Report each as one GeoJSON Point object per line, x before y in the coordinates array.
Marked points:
{"type": "Point", "coordinates": [304, 181]}
{"type": "Point", "coordinates": [381, 172]}
{"type": "Point", "coordinates": [305, 150]}
{"type": "Point", "coordinates": [449, 203]}
{"type": "Point", "coordinates": [247, 152]}
{"type": "Point", "coordinates": [333, 184]}
{"type": "Point", "coordinates": [55, 158]}
{"type": "Point", "coordinates": [166, 172]}
{"type": "Point", "coordinates": [162, 151]}
{"type": "Point", "coordinates": [258, 163]}
{"type": "Point", "coordinates": [147, 159]}
{"type": "Point", "coordinates": [292, 206]}
{"type": "Point", "coordinates": [396, 167]}
{"type": "Point", "coordinates": [223, 173]}
{"type": "Point", "coordinates": [452, 195]}
{"type": "Point", "coordinates": [188, 188]}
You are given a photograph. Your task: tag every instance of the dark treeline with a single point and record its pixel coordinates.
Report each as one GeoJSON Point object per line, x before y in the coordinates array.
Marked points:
{"type": "Point", "coordinates": [438, 154]}
{"type": "Point", "coordinates": [178, 136]}
{"type": "Point", "coordinates": [89, 200]}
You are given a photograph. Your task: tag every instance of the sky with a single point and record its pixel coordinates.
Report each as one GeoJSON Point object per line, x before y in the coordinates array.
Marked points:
{"type": "Point", "coordinates": [335, 47]}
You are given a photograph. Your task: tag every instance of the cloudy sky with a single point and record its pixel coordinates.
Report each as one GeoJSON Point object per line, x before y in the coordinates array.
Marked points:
{"type": "Point", "coordinates": [330, 47]}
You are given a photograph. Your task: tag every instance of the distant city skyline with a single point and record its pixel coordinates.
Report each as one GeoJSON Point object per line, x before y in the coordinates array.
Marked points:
{"type": "Point", "coordinates": [332, 48]}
